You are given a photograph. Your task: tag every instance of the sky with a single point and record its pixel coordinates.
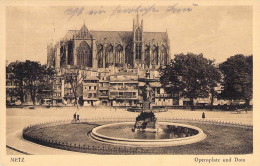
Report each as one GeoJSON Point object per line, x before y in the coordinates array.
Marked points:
{"type": "Point", "coordinates": [216, 31]}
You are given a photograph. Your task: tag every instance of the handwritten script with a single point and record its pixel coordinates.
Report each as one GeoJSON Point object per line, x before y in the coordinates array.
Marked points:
{"type": "Point", "coordinates": [142, 10]}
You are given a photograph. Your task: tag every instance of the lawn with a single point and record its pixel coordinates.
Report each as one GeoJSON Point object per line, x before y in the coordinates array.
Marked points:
{"type": "Point", "coordinates": [220, 139]}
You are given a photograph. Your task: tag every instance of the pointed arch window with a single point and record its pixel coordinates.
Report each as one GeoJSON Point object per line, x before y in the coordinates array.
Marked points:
{"type": "Point", "coordinates": [155, 55]}
{"type": "Point", "coordinates": [63, 56]}
{"type": "Point", "coordinates": [109, 58]}
{"type": "Point", "coordinates": [163, 58]}
{"type": "Point", "coordinates": [70, 54]}
{"type": "Point", "coordinates": [100, 52]}
{"type": "Point", "coordinates": [119, 54]}
{"type": "Point", "coordinates": [128, 55]}
{"type": "Point", "coordinates": [84, 55]}
{"type": "Point", "coordinates": [138, 51]}
{"type": "Point", "coordinates": [138, 34]}
{"type": "Point", "coordinates": [147, 55]}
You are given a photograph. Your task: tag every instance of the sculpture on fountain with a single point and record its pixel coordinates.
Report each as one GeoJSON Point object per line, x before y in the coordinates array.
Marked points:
{"type": "Point", "coordinates": [146, 120]}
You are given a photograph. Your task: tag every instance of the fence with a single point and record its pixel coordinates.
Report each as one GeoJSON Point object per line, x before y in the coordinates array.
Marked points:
{"type": "Point", "coordinates": [110, 149]}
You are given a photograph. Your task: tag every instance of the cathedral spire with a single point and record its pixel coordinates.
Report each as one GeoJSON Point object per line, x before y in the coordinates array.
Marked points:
{"type": "Point", "coordinates": [83, 32]}
{"type": "Point", "coordinates": [84, 28]}
{"type": "Point", "coordinates": [137, 18]}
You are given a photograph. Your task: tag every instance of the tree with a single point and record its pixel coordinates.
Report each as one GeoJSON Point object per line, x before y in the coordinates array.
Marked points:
{"type": "Point", "coordinates": [75, 78]}
{"type": "Point", "coordinates": [213, 78]}
{"type": "Point", "coordinates": [237, 78]}
{"type": "Point", "coordinates": [36, 77]}
{"type": "Point", "coordinates": [31, 77]}
{"type": "Point", "coordinates": [189, 76]}
{"type": "Point", "coordinates": [17, 75]}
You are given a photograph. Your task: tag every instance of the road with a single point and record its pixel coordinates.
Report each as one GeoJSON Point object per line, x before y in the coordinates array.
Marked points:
{"type": "Point", "coordinates": [18, 118]}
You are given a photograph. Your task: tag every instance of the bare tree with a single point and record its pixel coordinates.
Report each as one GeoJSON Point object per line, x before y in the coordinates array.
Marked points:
{"type": "Point", "coordinates": [75, 79]}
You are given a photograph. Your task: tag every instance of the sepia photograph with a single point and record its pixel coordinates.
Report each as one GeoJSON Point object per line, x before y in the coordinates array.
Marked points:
{"type": "Point", "coordinates": [128, 79]}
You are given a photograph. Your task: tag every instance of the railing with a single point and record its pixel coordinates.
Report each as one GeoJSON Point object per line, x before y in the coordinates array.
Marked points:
{"type": "Point", "coordinates": [110, 149]}
{"type": "Point", "coordinates": [162, 95]}
{"type": "Point", "coordinates": [122, 97]}
{"type": "Point", "coordinates": [123, 88]}
{"type": "Point", "coordinates": [103, 94]}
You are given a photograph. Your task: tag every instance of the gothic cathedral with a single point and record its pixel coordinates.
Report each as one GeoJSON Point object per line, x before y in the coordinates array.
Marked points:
{"type": "Point", "coordinates": [102, 49]}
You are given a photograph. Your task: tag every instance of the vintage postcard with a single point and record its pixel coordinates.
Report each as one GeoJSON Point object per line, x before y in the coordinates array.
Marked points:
{"type": "Point", "coordinates": [129, 82]}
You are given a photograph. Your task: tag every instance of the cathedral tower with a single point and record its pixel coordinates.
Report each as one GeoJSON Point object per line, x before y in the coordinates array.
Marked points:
{"type": "Point", "coordinates": [138, 42]}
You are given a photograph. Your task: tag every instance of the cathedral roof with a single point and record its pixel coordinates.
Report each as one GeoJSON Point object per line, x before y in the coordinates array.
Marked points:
{"type": "Point", "coordinates": [113, 36]}
{"type": "Point", "coordinates": [69, 35]}
{"type": "Point", "coordinates": [123, 37]}
{"type": "Point", "coordinates": [156, 36]}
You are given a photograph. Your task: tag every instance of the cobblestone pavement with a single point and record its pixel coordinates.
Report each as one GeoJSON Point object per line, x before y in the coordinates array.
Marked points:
{"type": "Point", "coordinates": [18, 118]}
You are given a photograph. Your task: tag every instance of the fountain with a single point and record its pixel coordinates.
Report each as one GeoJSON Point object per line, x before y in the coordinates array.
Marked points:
{"type": "Point", "coordinates": [146, 131]}
{"type": "Point", "coordinates": [146, 120]}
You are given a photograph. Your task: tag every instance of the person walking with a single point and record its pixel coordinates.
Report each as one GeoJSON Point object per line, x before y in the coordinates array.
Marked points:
{"type": "Point", "coordinates": [78, 118]}
{"type": "Point", "coordinates": [203, 115]}
{"type": "Point", "coordinates": [74, 117]}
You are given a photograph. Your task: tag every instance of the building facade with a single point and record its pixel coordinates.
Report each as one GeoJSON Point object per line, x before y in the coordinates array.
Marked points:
{"type": "Point", "coordinates": [123, 89]}
{"type": "Point", "coordinates": [103, 49]}
{"type": "Point", "coordinates": [111, 61]}
{"type": "Point", "coordinates": [117, 66]}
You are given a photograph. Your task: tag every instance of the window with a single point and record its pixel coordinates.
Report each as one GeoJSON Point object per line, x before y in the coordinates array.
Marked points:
{"type": "Point", "coordinates": [89, 88]}
{"type": "Point", "coordinates": [147, 55]}
{"type": "Point", "coordinates": [155, 55]}
{"type": "Point", "coordinates": [138, 34]}
{"type": "Point", "coordinates": [84, 54]}
{"type": "Point", "coordinates": [158, 90]}
{"type": "Point", "coordinates": [138, 50]}
{"type": "Point", "coordinates": [128, 55]}
{"type": "Point", "coordinates": [94, 87]}
{"type": "Point", "coordinates": [163, 58]}
{"type": "Point", "coordinates": [118, 55]}
{"type": "Point", "coordinates": [109, 57]}
{"type": "Point", "coordinates": [100, 55]}
{"type": "Point", "coordinates": [70, 54]}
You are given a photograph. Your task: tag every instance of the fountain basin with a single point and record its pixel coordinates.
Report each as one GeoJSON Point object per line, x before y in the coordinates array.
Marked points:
{"type": "Point", "coordinates": [172, 134]}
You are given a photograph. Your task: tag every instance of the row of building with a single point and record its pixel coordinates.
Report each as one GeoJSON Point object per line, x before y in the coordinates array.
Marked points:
{"type": "Point", "coordinates": [114, 63]}
{"type": "Point", "coordinates": [106, 87]}
{"type": "Point", "coordinates": [112, 68]}
{"type": "Point", "coordinates": [112, 87]}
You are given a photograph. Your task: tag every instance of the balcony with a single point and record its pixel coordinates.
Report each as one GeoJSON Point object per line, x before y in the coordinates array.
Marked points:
{"type": "Point", "coordinates": [123, 97]}
{"type": "Point", "coordinates": [103, 95]}
{"type": "Point", "coordinates": [123, 88]}
{"type": "Point", "coordinates": [162, 95]}
{"type": "Point", "coordinates": [103, 88]}
{"type": "Point", "coordinates": [87, 98]}
{"type": "Point", "coordinates": [106, 80]}
{"type": "Point", "coordinates": [124, 80]}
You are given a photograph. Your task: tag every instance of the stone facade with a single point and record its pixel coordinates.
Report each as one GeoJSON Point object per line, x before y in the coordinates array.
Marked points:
{"type": "Point", "coordinates": [102, 49]}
